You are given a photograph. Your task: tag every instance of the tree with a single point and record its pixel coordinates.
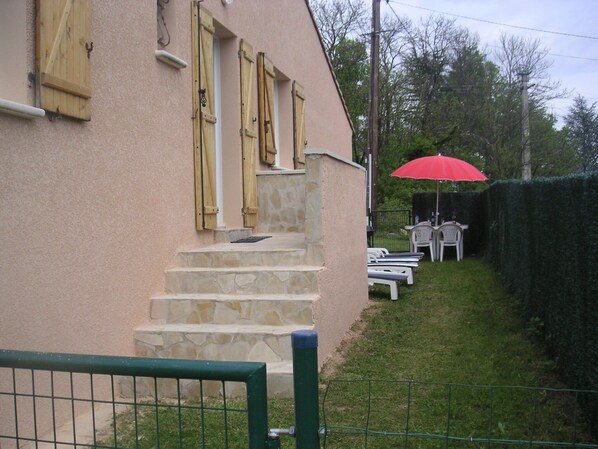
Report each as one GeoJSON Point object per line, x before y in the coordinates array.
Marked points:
{"type": "Point", "coordinates": [439, 91]}
{"type": "Point", "coordinates": [582, 124]}
{"type": "Point", "coordinates": [392, 94]}
{"type": "Point", "coordinates": [341, 24]}
{"type": "Point", "coordinates": [553, 153]}
{"type": "Point", "coordinates": [425, 65]}
{"type": "Point", "coordinates": [351, 66]}
{"type": "Point", "coordinates": [469, 102]}
{"type": "Point", "coordinates": [518, 55]}
{"type": "Point", "coordinates": [338, 20]}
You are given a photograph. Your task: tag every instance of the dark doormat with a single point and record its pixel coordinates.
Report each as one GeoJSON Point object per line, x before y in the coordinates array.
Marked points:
{"type": "Point", "coordinates": [252, 239]}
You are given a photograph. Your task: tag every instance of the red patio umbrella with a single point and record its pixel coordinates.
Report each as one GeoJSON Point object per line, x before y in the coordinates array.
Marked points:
{"type": "Point", "coordinates": [439, 168]}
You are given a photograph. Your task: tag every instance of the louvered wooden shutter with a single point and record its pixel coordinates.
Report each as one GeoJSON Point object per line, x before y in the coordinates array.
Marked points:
{"type": "Point", "coordinates": [248, 134]}
{"type": "Point", "coordinates": [299, 139]}
{"type": "Point", "coordinates": [204, 122]}
{"type": "Point", "coordinates": [63, 31]}
{"type": "Point", "coordinates": [265, 82]}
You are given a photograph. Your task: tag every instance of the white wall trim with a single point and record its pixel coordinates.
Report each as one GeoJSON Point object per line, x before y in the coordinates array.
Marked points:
{"type": "Point", "coordinates": [20, 110]}
{"type": "Point", "coordinates": [170, 59]}
{"type": "Point", "coordinates": [322, 152]}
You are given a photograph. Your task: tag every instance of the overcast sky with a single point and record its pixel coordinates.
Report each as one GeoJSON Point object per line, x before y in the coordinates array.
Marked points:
{"type": "Point", "coordinates": [578, 17]}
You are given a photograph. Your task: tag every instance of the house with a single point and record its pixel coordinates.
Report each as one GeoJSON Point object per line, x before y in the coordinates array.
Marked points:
{"type": "Point", "coordinates": [139, 137]}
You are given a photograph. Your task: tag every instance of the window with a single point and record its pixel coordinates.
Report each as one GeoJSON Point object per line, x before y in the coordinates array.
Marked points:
{"type": "Point", "coordinates": [64, 46]}
{"type": "Point", "coordinates": [266, 109]}
{"type": "Point", "coordinates": [299, 139]}
{"type": "Point", "coordinates": [13, 48]}
{"type": "Point", "coordinates": [249, 136]}
{"type": "Point", "coordinates": [281, 123]}
{"type": "Point", "coordinates": [205, 120]}
{"type": "Point", "coordinates": [17, 81]}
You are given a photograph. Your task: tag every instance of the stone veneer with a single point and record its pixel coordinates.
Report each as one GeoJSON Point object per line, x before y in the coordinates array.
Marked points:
{"type": "Point", "coordinates": [281, 201]}
{"type": "Point", "coordinates": [273, 310]}
{"type": "Point", "coordinates": [247, 280]}
{"type": "Point", "coordinates": [212, 342]}
{"type": "Point", "coordinates": [242, 301]}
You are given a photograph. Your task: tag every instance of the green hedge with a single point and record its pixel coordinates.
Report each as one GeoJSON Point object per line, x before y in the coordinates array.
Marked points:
{"type": "Point", "coordinates": [542, 236]}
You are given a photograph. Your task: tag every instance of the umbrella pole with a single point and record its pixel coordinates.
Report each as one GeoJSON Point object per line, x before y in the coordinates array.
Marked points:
{"type": "Point", "coordinates": [437, 195]}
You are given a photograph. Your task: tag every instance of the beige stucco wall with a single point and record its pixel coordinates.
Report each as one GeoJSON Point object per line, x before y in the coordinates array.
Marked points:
{"type": "Point", "coordinates": [91, 213]}
{"type": "Point", "coordinates": [284, 30]}
{"type": "Point", "coordinates": [336, 236]}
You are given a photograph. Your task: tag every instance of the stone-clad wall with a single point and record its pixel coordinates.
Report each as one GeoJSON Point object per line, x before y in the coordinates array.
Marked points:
{"type": "Point", "coordinates": [281, 201]}
{"type": "Point", "coordinates": [327, 203]}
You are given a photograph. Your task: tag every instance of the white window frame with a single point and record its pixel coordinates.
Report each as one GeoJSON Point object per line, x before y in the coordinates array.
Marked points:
{"type": "Point", "coordinates": [218, 131]}
{"type": "Point", "coordinates": [276, 126]}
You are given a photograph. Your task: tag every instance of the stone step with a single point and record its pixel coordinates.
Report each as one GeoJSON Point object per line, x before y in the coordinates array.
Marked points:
{"type": "Point", "coordinates": [251, 343]}
{"type": "Point", "coordinates": [279, 375]}
{"type": "Point", "coordinates": [243, 280]}
{"type": "Point", "coordinates": [231, 234]}
{"type": "Point", "coordinates": [232, 258]}
{"type": "Point", "coordinates": [274, 310]}
{"type": "Point", "coordinates": [280, 379]}
{"type": "Point", "coordinates": [276, 250]}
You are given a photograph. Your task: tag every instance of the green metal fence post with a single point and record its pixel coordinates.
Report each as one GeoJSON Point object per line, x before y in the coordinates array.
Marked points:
{"type": "Point", "coordinates": [257, 408]}
{"type": "Point", "coordinates": [305, 378]}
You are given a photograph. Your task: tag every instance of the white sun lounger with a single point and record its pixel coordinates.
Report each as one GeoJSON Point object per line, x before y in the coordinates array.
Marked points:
{"type": "Point", "coordinates": [383, 252]}
{"type": "Point", "coordinates": [387, 278]}
{"type": "Point", "coordinates": [380, 257]}
{"type": "Point", "coordinates": [392, 268]}
{"type": "Point", "coordinates": [405, 262]}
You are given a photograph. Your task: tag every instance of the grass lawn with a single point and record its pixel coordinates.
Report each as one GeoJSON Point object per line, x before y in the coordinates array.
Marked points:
{"type": "Point", "coordinates": [455, 325]}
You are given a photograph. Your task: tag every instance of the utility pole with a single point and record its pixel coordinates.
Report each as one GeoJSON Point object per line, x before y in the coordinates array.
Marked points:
{"type": "Point", "coordinates": [526, 172]}
{"type": "Point", "coordinates": [374, 103]}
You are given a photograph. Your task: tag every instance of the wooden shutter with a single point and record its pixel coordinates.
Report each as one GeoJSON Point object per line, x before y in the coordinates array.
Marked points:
{"type": "Point", "coordinates": [204, 132]}
{"type": "Point", "coordinates": [248, 134]}
{"type": "Point", "coordinates": [299, 139]}
{"type": "Point", "coordinates": [265, 80]}
{"type": "Point", "coordinates": [63, 39]}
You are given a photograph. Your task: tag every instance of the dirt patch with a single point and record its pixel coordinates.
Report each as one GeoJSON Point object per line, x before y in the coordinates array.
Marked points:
{"type": "Point", "coordinates": [334, 360]}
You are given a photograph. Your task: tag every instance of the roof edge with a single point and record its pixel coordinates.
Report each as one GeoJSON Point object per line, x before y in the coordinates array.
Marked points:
{"type": "Point", "coordinates": [338, 88]}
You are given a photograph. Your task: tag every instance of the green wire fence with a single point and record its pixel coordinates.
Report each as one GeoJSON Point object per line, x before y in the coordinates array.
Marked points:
{"type": "Point", "coordinates": [411, 414]}
{"type": "Point", "coordinates": [123, 402]}
{"type": "Point", "coordinates": [113, 402]}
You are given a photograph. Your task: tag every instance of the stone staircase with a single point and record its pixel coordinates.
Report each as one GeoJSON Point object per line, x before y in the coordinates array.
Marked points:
{"type": "Point", "coordinates": [237, 302]}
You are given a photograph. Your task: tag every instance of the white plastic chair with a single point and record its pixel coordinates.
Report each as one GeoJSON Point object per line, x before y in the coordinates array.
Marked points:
{"type": "Point", "coordinates": [450, 234]}
{"type": "Point", "coordinates": [422, 235]}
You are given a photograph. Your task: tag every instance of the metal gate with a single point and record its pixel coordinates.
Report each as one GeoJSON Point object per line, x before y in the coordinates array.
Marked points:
{"type": "Point", "coordinates": [131, 402]}
{"type": "Point", "coordinates": [388, 229]}
{"type": "Point", "coordinates": [166, 403]}
{"type": "Point", "coordinates": [111, 402]}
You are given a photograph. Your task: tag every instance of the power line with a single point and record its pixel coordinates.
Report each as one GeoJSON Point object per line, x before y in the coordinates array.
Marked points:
{"type": "Point", "coordinates": [496, 23]}
{"type": "Point", "coordinates": [558, 55]}
{"type": "Point", "coordinates": [573, 57]}
{"type": "Point", "coordinates": [492, 22]}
